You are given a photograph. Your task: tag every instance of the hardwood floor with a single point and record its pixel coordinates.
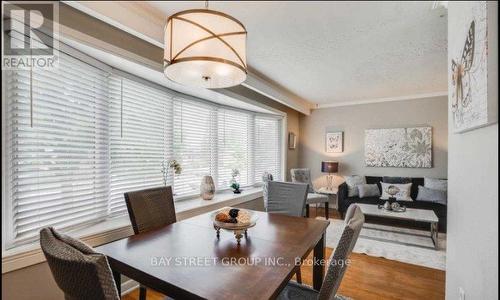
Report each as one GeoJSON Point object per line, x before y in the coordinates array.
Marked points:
{"type": "Point", "coordinates": [370, 278]}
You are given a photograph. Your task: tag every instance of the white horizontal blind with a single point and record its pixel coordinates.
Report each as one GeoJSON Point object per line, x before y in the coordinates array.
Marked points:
{"type": "Point", "coordinates": [194, 129]}
{"type": "Point", "coordinates": [59, 159]}
{"type": "Point", "coordinates": [80, 137]}
{"type": "Point", "coordinates": [140, 138]}
{"type": "Point", "coordinates": [234, 137]}
{"type": "Point", "coordinates": [267, 148]}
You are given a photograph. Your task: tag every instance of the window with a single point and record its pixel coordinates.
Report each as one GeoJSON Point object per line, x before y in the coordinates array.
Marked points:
{"type": "Point", "coordinates": [193, 138]}
{"type": "Point", "coordinates": [267, 148]}
{"type": "Point", "coordinates": [58, 147]}
{"type": "Point", "coordinates": [234, 139]}
{"type": "Point", "coordinates": [140, 138]}
{"type": "Point", "coordinates": [82, 135]}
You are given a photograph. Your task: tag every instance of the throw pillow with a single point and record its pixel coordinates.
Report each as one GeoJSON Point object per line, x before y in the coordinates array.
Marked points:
{"type": "Point", "coordinates": [352, 184]}
{"type": "Point", "coordinates": [430, 195]}
{"type": "Point", "coordinates": [436, 184]}
{"type": "Point", "coordinates": [403, 194]}
{"type": "Point", "coordinates": [398, 180]}
{"type": "Point", "coordinates": [368, 190]}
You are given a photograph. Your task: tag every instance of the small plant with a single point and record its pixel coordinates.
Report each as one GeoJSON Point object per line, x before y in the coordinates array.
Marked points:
{"type": "Point", "coordinates": [236, 187]}
{"type": "Point", "coordinates": [166, 166]}
{"type": "Point", "coordinates": [234, 181]}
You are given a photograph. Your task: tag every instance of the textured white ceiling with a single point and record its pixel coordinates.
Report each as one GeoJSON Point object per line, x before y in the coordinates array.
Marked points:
{"type": "Point", "coordinates": [336, 52]}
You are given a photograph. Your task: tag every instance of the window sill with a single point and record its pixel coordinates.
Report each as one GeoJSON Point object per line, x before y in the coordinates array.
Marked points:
{"type": "Point", "coordinates": [118, 228]}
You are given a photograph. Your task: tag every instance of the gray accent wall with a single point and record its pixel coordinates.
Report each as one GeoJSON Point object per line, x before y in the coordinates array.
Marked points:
{"type": "Point", "coordinates": [472, 237]}
{"type": "Point", "coordinates": [354, 119]}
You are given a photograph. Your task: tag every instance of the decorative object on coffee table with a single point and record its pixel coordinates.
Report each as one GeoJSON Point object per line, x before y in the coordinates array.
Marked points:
{"type": "Point", "coordinates": [329, 167]}
{"type": "Point", "coordinates": [399, 147]}
{"type": "Point", "coordinates": [233, 219]}
{"type": "Point", "coordinates": [207, 188]}
{"type": "Point", "coordinates": [386, 206]}
{"type": "Point", "coordinates": [394, 206]}
{"type": "Point", "coordinates": [334, 142]}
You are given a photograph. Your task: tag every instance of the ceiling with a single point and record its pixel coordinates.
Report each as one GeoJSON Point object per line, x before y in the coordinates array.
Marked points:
{"type": "Point", "coordinates": [340, 52]}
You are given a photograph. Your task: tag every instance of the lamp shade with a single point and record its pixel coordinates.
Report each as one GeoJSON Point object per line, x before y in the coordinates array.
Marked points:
{"type": "Point", "coordinates": [205, 48]}
{"type": "Point", "coordinates": [329, 166]}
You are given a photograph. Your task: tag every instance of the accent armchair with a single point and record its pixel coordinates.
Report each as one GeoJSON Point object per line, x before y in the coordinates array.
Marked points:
{"type": "Point", "coordinates": [304, 176]}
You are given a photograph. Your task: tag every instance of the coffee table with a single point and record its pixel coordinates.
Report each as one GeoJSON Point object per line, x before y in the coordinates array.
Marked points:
{"type": "Point", "coordinates": [411, 214]}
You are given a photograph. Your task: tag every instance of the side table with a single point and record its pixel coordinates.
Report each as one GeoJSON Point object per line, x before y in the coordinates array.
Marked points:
{"type": "Point", "coordinates": [332, 196]}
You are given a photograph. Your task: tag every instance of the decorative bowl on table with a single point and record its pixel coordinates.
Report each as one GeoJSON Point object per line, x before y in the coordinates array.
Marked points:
{"type": "Point", "coordinates": [395, 207]}
{"type": "Point", "coordinates": [234, 219]}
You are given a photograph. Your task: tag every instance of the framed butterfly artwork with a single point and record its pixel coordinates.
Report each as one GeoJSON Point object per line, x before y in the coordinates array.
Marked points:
{"type": "Point", "coordinates": [468, 68]}
{"type": "Point", "coordinates": [334, 142]}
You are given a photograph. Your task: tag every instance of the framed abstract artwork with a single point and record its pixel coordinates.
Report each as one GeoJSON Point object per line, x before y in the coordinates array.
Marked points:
{"type": "Point", "coordinates": [334, 142]}
{"type": "Point", "coordinates": [468, 69]}
{"type": "Point", "coordinates": [399, 147]}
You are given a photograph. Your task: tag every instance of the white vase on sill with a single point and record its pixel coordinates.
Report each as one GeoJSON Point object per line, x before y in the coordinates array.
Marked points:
{"type": "Point", "coordinates": [207, 188]}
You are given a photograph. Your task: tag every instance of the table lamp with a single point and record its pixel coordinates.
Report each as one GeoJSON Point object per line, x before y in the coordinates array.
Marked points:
{"type": "Point", "coordinates": [329, 167]}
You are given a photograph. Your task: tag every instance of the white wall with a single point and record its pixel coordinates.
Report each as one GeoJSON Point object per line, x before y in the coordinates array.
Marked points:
{"type": "Point", "coordinates": [472, 246]}
{"type": "Point", "coordinates": [354, 119]}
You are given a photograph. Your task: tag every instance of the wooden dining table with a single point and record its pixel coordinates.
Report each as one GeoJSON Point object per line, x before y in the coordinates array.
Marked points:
{"type": "Point", "coordinates": [186, 260]}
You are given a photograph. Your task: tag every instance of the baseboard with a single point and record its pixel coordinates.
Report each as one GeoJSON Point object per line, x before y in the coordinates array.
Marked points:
{"type": "Point", "coordinates": [128, 286]}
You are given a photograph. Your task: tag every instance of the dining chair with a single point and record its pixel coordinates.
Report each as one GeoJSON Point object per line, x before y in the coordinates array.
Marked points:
{"type": "Point", "coordinates": [266, 177]}
{"type": "Point", "coordinates": [286, 198]}
{"type": "Point", "coordinates": [338, 262]}
{"type": "Point", "coordinates": [150, 209]}
{"type": "Point", "coordinates": [79, 271]}
{"type": "Point", "coordinates": [303, 175]}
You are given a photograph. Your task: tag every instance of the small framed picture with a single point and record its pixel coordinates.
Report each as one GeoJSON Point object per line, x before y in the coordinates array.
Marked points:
{"type": "Point", "coordinates": [334, 142]}
{"type": "Point", "coordinates": [292, 140]}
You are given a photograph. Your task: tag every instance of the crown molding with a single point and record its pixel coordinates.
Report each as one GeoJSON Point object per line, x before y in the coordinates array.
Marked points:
{"type": "Point", "coordinates": [263, 87]}
{"type": "Point", "coordinates": [138, 10]}
{"type": "Point", "coordinates": [380, 100]}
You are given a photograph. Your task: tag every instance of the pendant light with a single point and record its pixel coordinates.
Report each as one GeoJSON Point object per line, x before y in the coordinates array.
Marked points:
{"type": "Point", "coordinates": [205, 48]}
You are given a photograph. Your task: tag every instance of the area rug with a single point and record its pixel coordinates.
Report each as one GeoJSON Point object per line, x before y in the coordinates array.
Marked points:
{"type": "Point", "coordinates": [395, 243]}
